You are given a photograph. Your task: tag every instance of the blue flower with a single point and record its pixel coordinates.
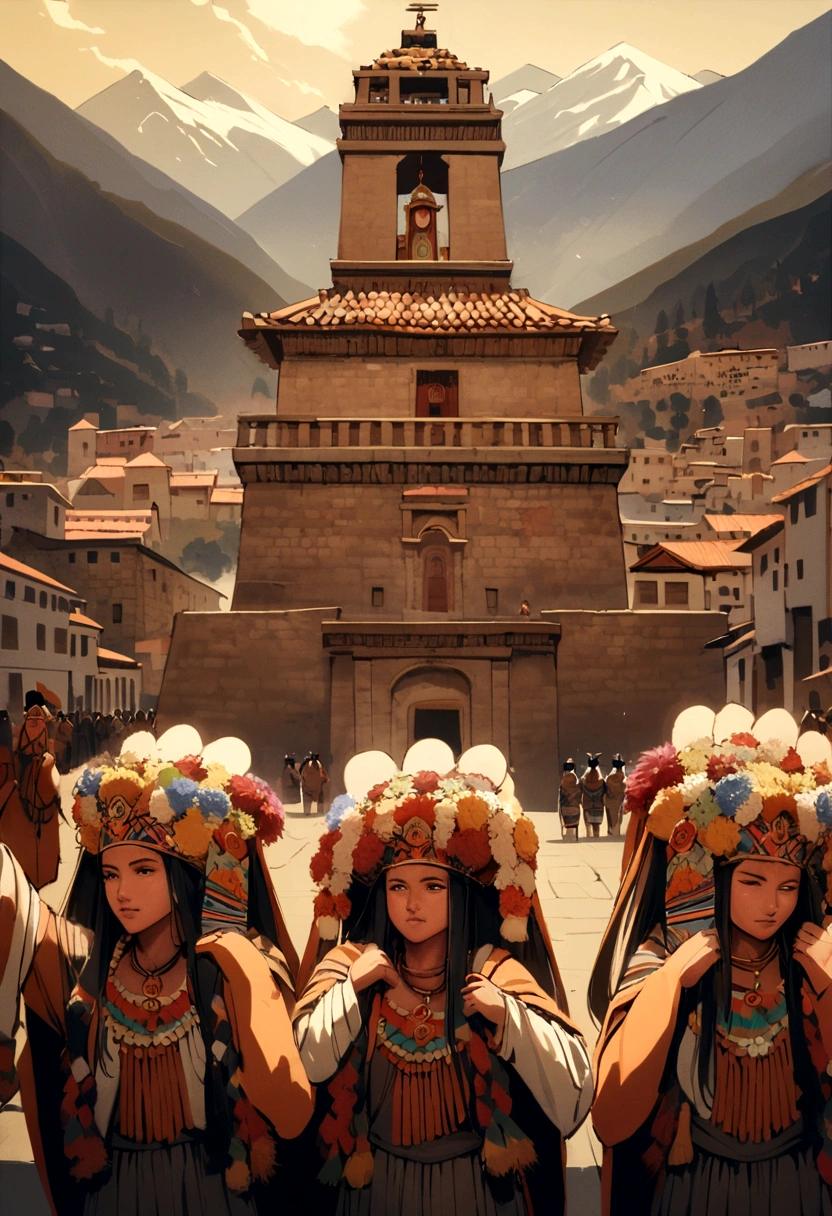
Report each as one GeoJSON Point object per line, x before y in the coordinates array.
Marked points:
{"type": "Point", "coordinates": [181, 793]}
{"type": "Point", "coordinates": [339, 808]}
{"type": "Point", "coordinates": [731, 792]}
{"type": "Point", "coordinates": [89, 782]}
{"type": "Point", "coordinates": [213, 802]}
{"type": "Point", "coordinates": [823, 807]}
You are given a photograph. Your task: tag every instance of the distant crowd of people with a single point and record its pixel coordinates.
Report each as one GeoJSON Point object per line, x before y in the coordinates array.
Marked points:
{"type": "Point", "coordinates": [77, 737]}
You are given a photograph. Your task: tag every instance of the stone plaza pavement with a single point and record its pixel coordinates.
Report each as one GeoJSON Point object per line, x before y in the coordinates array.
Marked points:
{"type": "Point", "coordinates": [577, 883]}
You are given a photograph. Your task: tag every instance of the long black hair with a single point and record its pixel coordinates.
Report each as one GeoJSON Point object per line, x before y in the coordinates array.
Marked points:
{"type": "Point", "coordinates": [714, 989]}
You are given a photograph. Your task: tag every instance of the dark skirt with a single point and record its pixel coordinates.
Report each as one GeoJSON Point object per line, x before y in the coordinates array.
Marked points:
{"type": "Point", "coordinates": [404, 1187]}
{"type": "Point", "coordinates": [729, 1178]}
{"type": "Point", "coordinates": [164, 1180]}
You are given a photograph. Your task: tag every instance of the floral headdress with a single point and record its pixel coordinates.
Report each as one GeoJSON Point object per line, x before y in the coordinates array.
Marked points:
{"type": "Point", "coordinates": [739, 798]}
{"type": "Point", "coordinates": [192, 808]}
{"type": "Point", "coordinates": [456, 822]}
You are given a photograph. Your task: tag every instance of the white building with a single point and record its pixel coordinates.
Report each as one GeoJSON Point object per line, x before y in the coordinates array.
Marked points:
{"type": "Point", "coordinates": [28, 502]}
{"type": "Point", "coordinates": [701, 576]}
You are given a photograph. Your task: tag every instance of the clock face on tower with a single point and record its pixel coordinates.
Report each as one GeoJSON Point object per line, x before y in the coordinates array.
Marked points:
{"type": "Point", "coordinates": [422, 249]}
{"type": "Point", "coordinates": [421, 217]}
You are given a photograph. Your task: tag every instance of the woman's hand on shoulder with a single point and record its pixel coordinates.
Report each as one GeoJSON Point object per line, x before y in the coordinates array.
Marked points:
{"type": "Point", "coordinates": [813, 950]}
{"type": "Point", "coordinates": [694, 958]}
{"type": "Point", "coordinates": [482, 996]}
{"type": "Point", "coordinates": [374, 967]}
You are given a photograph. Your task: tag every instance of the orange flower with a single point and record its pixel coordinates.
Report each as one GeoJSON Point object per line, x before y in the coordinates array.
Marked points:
{"type": "Point", "coordinates": [228, 837]}
{"type": "Point", "coordinates": [821, 773]}
{"type": "Point", "coordinates": [238, 1176]}
{"type": "Point", "coordinates": [514, 903]}
{"type": "Point", "coordinates": [471, 813]}
{"type": "Point", "coordinates": [775, 804]}
{"type": "Point", "coordinates": [525, 839]}
{"type": "Point", "coordinates": [720, 837]}
{"type": "Point", "coordinates": [323, 905]}
{"type": "Point", "coordinates": [343, 907]}
{"type": "Point", "coordinates": [684, 879]}
{"type": "Point", "coordinates": [667, 809]}
{"type": "Point", "coordinates": [321, 864]}
{"type": "Point", "coordinates": [416, 806]}
{"type": "Point", "coordinates": [88, 836]}
{"type": "Point", "coordinates": [192, 834]}
{"type": "Point", "coordinates": [470, 848]}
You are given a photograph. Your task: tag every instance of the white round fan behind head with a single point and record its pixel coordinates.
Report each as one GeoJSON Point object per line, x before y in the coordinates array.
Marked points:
{"type": "Point", "coordinates": [694, 723]}
{"type": "Point", "coordinates": [176, 742]}
{"type": "Point", "coordinates": [814, 748]}
{"type": "Point", "coordinates": [776, 724]}
{"type": "Point", "coordinates": [429, 755]}
{"type": "Point", "coordinates": [366, 770]}
{"type": "Point", "coordinates": [732, 720]}
{"type": "Point", "coordinates": [142, 744]}
{"type": "Point", "coordinates": [232, 753]}
{"type": "Point", "coordinates": [484, 760]}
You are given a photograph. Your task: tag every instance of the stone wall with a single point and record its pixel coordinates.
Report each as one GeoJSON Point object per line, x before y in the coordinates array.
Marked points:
{"type": "Point", "coordinates": [310, 545]}
{"type": "Point", "coordinates": [624, 676]}
{"type": "Point", "coordinates": [368, 208]}
{"type": "Point", "coordinates": [475, 209]}
{"type": "Point", "coordinates": [355, 388]}
{"type": "Point", "coordinates": [263, 676]}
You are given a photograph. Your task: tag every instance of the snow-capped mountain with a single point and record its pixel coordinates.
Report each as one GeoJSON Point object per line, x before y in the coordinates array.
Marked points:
{"type": "Point", "coordinates": [521, 86]}
{"type": "Point", "coordinates": [323, 122]}
{"type": "Point", "coordinates": [222, 145]}
{"type": "Point", "coordinates": [600, 95]}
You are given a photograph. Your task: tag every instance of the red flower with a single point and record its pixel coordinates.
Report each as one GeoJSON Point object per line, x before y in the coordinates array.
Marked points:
{"type": "Point", "coordinates": [416, 805]}
{"type": "Point", "coordinates": [367, 853]}
{"type": "Point", "coordinates": [656, 770]}
{"type": "Point", "coordinates": [377, 791]}
{"type": "Point", "coordinates": [426, 782]}
{"type": "Point", "coordinates": [822, 773]}
{"type": "Point", "coordinates": [791, 762]}
{"type": "Point", "coordinates": [245, 794]}
{"type": "Point", "coordinates": [683, 837]}
{"type": "Point", "coordinates": [514, 903]}
{"type": "Point", "coordinates": [228, 837]}
{"type": "Point", "coordinates": [470, 848]}
{"type": "Point", "coordinates": [744, 739]}
{"type": "Point", "coordinates": [321, 864]}
{"type": "Point", "coordinates": [191, 766]}
{"type": "Point", "coordinates": [259, 800]}
{"type": "Point", "coordinates": [269, 824]}
{"type": "Point", "coordinates": [343, 907]}
{"type": "Point", "coordinates": [721, 766]}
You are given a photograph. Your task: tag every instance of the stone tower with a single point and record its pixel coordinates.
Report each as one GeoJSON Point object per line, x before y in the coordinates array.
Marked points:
{"type": "Point", "coordinates": [427, 469]}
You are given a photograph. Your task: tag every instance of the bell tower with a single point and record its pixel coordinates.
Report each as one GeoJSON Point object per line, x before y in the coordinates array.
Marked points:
{"type": "Point", "coordinates": [419, 108]}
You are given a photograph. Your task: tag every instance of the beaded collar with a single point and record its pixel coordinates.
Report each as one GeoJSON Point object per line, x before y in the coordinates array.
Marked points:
{"type": "Point", "coordinates": [132, 1024]}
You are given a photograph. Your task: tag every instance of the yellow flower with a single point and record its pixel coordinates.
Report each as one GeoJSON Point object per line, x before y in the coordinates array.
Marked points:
{"type": "Point", "coordinates": [720, 837]}
{"type": "Point", "coordinates": [88, 835]}
{"type": "Point", "coordinates": [472, 813]}
{"type": "Point", "coordinates": [667, 809]}
{"type": "Point", "coordinates": [525, 839]}
{"type": "Point", "coordinates": [693, 759]}
{"type": "Point", "coordinates": [120, 781]}
{"type": "Point", "coordinates": [358, 1170]}
{"type": "Point", "coordinates": [192, 835]}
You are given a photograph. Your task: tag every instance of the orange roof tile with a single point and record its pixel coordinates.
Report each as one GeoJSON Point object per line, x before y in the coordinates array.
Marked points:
{"type": "Point", "coordinates": [698, 555]}
{"type": "Point", "coordinates": [806, 484]}
{"type": "Point", "coordinates": [418, 58]}
{"type": "Point", "coordinates": [750, 524]}
{"type": "Point", "coordinates": [791, 458]}
{"type": "Point", "coordinates": [83, 425]}
{"type": "Point", "coordinates": [78, 618]}
{"type": "Point", "coordinates": [414, 312]}
{"type": "Point", "coordinates": [112, 658]}
{"type": "Point", "coordinates": [15, 567]}
{"type": "Point", "coordinates": [205, 478]}
{"type": "Point", "coordinates": [146, 461]}
{"type": "Point", "coordinates": [227, 496]}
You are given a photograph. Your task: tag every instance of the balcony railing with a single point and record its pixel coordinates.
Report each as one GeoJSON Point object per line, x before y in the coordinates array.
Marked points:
{"type": "Point", "coordinates": [268, 431]}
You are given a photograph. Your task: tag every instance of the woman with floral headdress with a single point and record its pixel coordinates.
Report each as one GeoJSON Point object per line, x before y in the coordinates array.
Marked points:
{"type": "Point", "coordinates": [714, 984]}
{"type": "Point", "coordinates": [450, 1073]}
{"type": "Point", "coordinates": [160, 1066]}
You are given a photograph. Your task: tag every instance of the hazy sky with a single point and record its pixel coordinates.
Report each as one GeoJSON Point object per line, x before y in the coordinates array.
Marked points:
{"type": "Point", "coordinates": [293, 55]}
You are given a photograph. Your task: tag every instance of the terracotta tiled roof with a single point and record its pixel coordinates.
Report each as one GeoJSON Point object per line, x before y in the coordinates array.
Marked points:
{"type": "Point", "coordinates": [806, 484]}
{"type": "Point", "coordinates": [724, 525]}
{"type": "Point", "coordinates": [83, 425]}
{"type": "Point", "coordinates": [104, 472]}
{"type": "Point", "coordinates": [194, 480]}
{"type": "Point", "coordinates": [699, 555]}
{"type": "Point", "coordinates": [14, 567]}
{"type": "Point", "coordinates": [231, 496]}
{"type": "Point", "coordinates": [107, 525]}
{"type": "Point", "coordinates": [791, 458]}
{"type": "Point", "coordinates": [111, 658]}
{"type": "Point", "coordinates": [78, 618]}
{"type": "Point", "coordinates": [413, 312]}
{"type": "Point", "coordinates": [416, 58]}
{"type": "Point", "coordinates": [146, 461]}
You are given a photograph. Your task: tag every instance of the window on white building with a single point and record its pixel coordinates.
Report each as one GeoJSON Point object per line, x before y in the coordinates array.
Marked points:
{"type": "Point", "coordinates": [647, 592]}
{"type": "Point", "coordinates": [800, 567]}
{"type": "Point", "coordinates": [40, 637]}
{"type": "Point", "coordinates": [8, 633]}
{"type": "Point", "coordinates": [60, 641]}
{"type": "Point", "coordinates": [85, 645]}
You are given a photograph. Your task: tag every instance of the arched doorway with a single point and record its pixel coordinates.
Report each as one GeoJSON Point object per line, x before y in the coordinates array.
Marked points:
{"type": "Point", "coordinates": [431, 703]}
{"type": "Point", "coordinates": [437, 572]}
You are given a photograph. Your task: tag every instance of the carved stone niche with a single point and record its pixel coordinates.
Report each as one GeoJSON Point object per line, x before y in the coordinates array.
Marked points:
{"type": "Point", "coordinates": [434, 540]}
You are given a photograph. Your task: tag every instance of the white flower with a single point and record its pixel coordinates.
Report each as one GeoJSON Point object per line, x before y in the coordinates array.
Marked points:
{"type": "Point", "coordinates": [773, 750]}
{"type": "Point", "coordinates": [449, 786]}
{"type": "Point", "coordinates": [692, 786]}
{"type": "Point", "coordinates": [159, 807]}
{"type": "Point", "coordinates": [807, 815]}
{"type": "Point", "coordinates": [520, 875]}
{"type": "Point", "coordinates": [328, 927]}
{"type": "Point", "coordinates": [153, 768]}
{"type": "Point", "coordinates": [383, 825]}
{"type": "Point", "coordinates": [128, 757]}
{"type": "Point", "coordinates": [515, 929]}
{"type": "Point", "coordinates": [750, 809]}
{"type": "Point", "coordinates": [244, 822]}
{"type": "Point", "coordinates": [445, 823]}
{"type": "Point", "coordinates": [744, 753]}
{"type": "Point", "coordinates": [501, 838]}
{"type": "Point", "coordinates": [400, 785]}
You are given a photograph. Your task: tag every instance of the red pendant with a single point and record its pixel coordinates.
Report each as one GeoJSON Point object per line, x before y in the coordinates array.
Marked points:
{"type": "Point", "coordinates": [421, 1012]}
{"type": "Point", "coordinates": [152, 990]}
{"type": "Point", "coordinates": [752, 998]}
{"type": "Point", "coordinates": [422, 1033]}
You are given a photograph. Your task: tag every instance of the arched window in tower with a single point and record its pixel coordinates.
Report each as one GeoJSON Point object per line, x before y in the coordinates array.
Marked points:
{"type": "Point", "coordinates": [436, 581]}
{"type": "Point", "coordinates": [422, 194]}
